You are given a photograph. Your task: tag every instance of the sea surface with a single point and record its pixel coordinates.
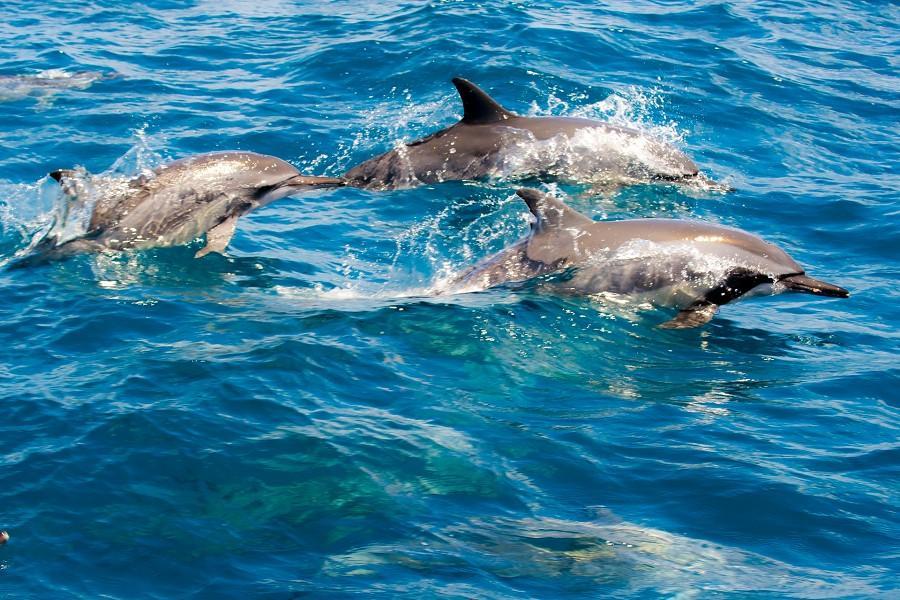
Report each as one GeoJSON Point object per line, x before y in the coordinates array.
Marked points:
{"type": "Point", "coordinates": [305, 418]}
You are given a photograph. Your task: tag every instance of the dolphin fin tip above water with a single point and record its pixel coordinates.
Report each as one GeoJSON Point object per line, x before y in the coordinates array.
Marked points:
{"type": "Point", "coordinates": [478, 106]}
{"type": "Point", "coordinates": [59, 174]}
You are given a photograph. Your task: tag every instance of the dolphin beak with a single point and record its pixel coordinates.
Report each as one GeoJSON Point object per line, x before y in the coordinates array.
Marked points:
{"type": "Point", "coordinates": [314, 181]}
{"type": "Point", "coordinates": [297, 185]}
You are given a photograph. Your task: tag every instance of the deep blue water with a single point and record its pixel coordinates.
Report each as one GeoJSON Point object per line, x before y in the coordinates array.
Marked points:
{"type": "Point", "coordinates": [296, 420]}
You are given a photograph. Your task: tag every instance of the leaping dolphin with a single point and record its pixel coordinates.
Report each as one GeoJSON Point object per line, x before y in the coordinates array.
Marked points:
{"type": "Point", "coordinates": [696, 267]}
{"type": "Point", "coordinates": [181, 201]}
{"type": "Point", "coordinates": [490, 140]}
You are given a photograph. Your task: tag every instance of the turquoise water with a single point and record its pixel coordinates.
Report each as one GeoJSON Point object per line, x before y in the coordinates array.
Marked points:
{"type": "Point", "coordinates": [301, 420]}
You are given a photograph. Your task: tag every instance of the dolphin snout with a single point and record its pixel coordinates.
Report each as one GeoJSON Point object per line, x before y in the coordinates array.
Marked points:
{"type": "Point", "coordinates": [313, 180]}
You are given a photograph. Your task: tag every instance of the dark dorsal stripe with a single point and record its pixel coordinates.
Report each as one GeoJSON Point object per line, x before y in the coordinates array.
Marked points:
{"type": "Point", "coordinates": [478, 107]}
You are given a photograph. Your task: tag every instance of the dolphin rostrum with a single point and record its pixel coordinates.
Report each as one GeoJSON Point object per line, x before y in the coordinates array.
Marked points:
{"type": "Point", "coordinates": [179, 202]}
{"type": "Point", "coordinates": [693, 266]}
{"type": "Point", "coordinates": [490, 140]}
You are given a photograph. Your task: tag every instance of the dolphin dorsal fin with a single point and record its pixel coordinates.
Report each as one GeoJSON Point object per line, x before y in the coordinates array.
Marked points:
{"type": "Point", "coordinates": [556, 229]}
{"type": "Point", "coordinates": [551, 213]}
{"type": "Point", "coordinates": [478, 107]}
{"type": "Point", "coordinates": [60, 174]}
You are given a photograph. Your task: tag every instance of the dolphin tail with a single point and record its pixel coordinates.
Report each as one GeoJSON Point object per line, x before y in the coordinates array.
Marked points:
{"type": "Point", "coordinates": [46, 251]}
{"type": "Point", "coordinates": [802, 283]}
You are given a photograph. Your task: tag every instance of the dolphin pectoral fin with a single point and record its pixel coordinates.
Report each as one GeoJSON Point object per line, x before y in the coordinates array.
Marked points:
{"type": "Point", "coordinates": [738, 282]}
{"type": "Point", "coordinates": [218, 237]}
{"type": "Point", "coordinates": [695, 315]}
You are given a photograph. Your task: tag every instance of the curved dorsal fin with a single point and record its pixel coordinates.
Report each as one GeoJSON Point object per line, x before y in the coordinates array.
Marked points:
{"type": "Point", "coordinates": [556, 229]}
{"type": "Point", "coordinates": [59, 174]}
{"type": "Point", "coordinates": [551, 213]}
{"type": "Point", "coordinates": [478, 107]}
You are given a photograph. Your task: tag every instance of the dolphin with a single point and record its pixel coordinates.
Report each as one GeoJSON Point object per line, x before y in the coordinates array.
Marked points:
{"type": "Point", "coordinates": [490, 140]}
{"type": "Point", "coordinates": [178, 202]}
{"type": "Point", "coordinates": [696, 267]}
{"type": "Point", "coordinates": [47, 83]}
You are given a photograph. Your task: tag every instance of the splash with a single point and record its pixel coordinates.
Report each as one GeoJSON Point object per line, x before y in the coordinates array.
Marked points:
{"type": "Point", "coordinates": [598, 155]}
{"type": "Point", "coordinates": [635, 108]}
{"type": "Point", "coordinates": [386, 124]}
{"type": "Point", "coordinates": [45, 211]}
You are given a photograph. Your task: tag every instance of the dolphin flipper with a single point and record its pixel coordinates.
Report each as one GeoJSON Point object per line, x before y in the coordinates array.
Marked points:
{"type": "Point", "coordinates": [218, 237]}
{"type": "Point", "coordinates": [739, 281]}
{"type": "Point", "coordinates": [697, 314]}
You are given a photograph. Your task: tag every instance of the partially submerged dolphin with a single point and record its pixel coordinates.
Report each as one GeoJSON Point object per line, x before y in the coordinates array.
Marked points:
{"type": "Point", "coordinates": [492, 141]}
{"type": "Point", "coordinates": [47, 83]}
{"type": "Point", "coordinates": [179, 202]}
{"type": "Point", "coordinates": [693, 266]}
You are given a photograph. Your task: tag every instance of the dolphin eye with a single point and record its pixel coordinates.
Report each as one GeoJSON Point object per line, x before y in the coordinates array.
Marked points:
{"type": "Point", "coordinates": [262, 191]}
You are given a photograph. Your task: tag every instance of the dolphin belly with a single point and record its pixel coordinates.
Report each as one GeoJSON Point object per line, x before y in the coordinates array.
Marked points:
{"type": "Point", "coordinates": [665, 279]}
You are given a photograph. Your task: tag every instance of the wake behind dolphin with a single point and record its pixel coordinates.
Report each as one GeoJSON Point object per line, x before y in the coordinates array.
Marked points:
{"type": "Point", "coordinates": [696, 267]}
{"type": "Point", "coordinates": [177, 203]}
{"type": "Point", "coordinates": [491, 141]}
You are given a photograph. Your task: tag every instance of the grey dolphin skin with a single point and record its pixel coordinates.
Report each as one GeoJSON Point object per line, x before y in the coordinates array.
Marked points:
{"type": "Point", "coordinates": [181, 201]}
{"type": "Point", "coordinates": [693, 266]}
{"type": "Point", "coordinates": [492, 141]}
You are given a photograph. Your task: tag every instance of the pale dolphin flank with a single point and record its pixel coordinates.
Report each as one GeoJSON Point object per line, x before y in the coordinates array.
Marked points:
{"type": "Point", "coordinates": [693, 266]}
{"type": "Point", "coordinates": [181, 201]}
{"type": "Point", "coordinates": [492, 141]}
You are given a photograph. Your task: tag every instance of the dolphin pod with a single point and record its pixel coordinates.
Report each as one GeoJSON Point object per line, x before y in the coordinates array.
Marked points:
{"type": "Point", "coordinates": [490, 140]}
{"type": "Point", "coordinates": [693, 266]}
{"type": "Point", "coordinates": [696, 267]}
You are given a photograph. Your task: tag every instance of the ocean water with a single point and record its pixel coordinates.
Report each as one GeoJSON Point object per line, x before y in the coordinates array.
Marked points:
{"type": "Point", "coordinates": [303, 418]}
